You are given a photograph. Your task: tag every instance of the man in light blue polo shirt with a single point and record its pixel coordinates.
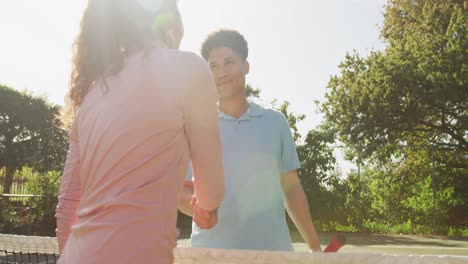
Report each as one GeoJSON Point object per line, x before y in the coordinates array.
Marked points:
{"type": "Point", "coordinates": [260, 163]}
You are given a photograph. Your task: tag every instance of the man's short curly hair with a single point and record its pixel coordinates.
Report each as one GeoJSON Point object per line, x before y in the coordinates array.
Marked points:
{"type": "Point", "coordinates": [225, 38]}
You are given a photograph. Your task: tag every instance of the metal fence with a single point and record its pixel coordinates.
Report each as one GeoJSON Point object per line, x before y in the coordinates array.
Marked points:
{"type": "Point", "coordinates": [27, 214]}
{"type": "Point", "coordinates": [19, 181]}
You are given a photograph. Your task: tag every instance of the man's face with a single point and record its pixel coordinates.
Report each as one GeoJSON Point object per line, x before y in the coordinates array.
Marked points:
{"type": "Point", "coordinates": [229, 71]}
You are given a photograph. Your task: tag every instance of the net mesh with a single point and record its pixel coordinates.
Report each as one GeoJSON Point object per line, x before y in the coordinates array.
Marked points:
{"type": "Point", "coordinates": [43, 250]}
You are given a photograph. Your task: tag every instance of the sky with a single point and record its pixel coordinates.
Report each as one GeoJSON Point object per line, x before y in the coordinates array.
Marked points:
{"type": "Point", "coordinates": [294, 46]}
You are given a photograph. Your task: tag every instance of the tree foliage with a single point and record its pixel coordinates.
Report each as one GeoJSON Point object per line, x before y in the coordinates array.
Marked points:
{"type": "Point", "coordinates": [252, 92]}
{"type": "Point", "coordinates": [414, 89]}
{"type": "Point", "coordinates": [29, 134]}
{"type": "Point", "coordinates": [403, 113]}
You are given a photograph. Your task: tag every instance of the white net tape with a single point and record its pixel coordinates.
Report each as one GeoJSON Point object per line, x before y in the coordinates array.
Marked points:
{"type": "Point", "coordinates": [28, 244]}
{"type": "Point", "coordinates": [218, 256]}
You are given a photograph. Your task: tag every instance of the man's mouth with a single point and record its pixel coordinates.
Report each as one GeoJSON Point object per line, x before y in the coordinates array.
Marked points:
{"type": "Point", "coordinates": [224, 82]}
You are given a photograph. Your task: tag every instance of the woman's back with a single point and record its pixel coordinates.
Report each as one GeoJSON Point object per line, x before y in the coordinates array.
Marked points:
{"type": "Point", "coordinates": [133, 126]}
{"type": "Point", "coordinates": [131, 143]}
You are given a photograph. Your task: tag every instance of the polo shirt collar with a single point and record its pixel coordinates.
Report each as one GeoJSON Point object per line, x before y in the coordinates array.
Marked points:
{"type": "Point", "coordinates": [254, 110]}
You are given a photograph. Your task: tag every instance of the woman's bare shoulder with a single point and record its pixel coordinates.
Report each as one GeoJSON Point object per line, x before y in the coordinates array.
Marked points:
{"type": "Point", "coordinates": [191, 61]}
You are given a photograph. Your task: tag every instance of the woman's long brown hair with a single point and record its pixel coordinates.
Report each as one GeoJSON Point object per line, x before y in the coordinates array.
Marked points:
{"type": "Point", "coordinates": [110, 30]}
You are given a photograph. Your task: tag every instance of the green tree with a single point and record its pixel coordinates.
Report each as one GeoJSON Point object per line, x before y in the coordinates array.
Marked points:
{"type": "Point", "coordinates": [438, 194]}
{"type": "Point", "coordinates": [29, 133]}
{"type": "Point", "coordinates": [416, 87]}
{"type": "Point", "coordinates": [319, 177]}
{"type": "Point", "coordinates": [410, 191]}
{"type": "Point", "coordinates": [357, 204]}
{"type": "Point", "coordinates": [403, 113]}
{"type": "Point", "coordinates": [252, 92]}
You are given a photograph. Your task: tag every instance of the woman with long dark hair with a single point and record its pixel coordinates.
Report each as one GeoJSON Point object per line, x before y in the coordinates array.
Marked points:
{"type": "Point", "coordinates": [138, 109]}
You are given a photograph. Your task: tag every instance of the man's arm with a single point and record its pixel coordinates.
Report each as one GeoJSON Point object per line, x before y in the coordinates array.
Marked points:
{"type": "Point", "coordinates": [298, 209]}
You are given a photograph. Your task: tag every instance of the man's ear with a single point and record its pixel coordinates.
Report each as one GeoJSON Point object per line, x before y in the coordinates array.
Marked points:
{"type": "Point", "coordinates": [246, 67]}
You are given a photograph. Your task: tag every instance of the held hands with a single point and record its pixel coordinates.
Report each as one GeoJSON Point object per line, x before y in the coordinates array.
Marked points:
{"type": "Point", "coordinates": [204, 219]}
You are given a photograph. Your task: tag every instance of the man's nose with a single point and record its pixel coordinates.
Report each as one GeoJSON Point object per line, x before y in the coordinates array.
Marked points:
{"type": "Point", "coordinates": [220, 72]}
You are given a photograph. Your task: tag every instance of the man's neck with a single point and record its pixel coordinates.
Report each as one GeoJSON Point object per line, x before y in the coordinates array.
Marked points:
{"type": "Point", "coordinates": [234, 107]}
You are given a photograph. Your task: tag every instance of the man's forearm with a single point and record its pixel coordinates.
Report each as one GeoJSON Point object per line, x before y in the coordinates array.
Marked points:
{"type": "Point", "coordinates": [185, 198]}
{"type": "Point", "coordinates": [298, 209]}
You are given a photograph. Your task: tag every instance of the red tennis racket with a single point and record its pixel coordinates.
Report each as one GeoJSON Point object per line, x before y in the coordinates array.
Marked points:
{"type": "Point", "coordinates": [337, 242]}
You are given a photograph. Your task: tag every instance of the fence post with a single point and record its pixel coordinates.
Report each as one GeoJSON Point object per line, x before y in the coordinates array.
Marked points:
{"type": "Point", "coordinates": [433, 190]}
{"type": "Point", "coordinates": [29, 216]}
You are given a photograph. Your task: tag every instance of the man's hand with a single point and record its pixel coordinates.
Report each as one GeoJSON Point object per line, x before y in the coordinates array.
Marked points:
{"type": "Point", "coordinates": [204, 219]}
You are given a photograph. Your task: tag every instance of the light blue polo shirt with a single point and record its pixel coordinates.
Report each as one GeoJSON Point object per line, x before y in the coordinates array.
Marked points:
{"type": "Point", "coordinates": [257, 148]}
